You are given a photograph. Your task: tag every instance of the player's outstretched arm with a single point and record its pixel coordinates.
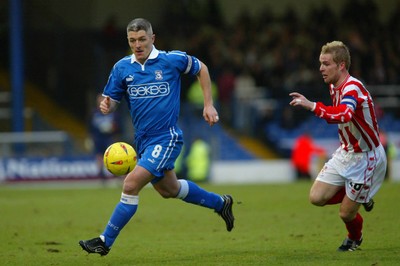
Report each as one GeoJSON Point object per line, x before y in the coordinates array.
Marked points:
{"type": "Point", "coordinates": [332, 114]}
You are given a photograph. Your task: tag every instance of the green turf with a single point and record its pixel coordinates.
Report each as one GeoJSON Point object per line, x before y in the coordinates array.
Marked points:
{"type": "Point", "coordinates": [275, 225]}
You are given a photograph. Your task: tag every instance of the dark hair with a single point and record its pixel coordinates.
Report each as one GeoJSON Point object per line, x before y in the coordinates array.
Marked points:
{"type": "Point", "coordinates": [140, 24]}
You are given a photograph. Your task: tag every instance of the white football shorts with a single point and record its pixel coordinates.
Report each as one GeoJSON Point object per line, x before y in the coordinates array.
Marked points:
{"type": "Point", "coordinates": [362, 174]}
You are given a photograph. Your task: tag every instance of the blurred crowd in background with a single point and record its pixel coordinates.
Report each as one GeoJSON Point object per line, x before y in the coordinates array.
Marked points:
{"type": "Point", "coordinates": [254, 62]}
{"type": "Point", "coordinates": [268, 55]}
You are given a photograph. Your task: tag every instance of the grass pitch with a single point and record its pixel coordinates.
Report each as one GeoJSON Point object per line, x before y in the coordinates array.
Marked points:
{"type": "Point", "coordinates": [275, 225]}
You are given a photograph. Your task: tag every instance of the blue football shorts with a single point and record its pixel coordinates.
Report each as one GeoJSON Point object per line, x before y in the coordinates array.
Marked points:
{"type": "Point", "coordinates": [158, 152]}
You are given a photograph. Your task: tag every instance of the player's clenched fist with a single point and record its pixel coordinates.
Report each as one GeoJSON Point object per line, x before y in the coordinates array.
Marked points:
{"type": "Point", "coordinates": [107, 105]}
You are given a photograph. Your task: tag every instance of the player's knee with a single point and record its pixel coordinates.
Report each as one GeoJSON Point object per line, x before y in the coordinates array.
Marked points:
{"type": "Point", "coordinates": [316, 199]}
{"type": "Point", "coordinates": [317, 202]}
{"type": "Point", "coordinates": [346, 215]}
{"type": "Point", "coordinates": [130, 188]}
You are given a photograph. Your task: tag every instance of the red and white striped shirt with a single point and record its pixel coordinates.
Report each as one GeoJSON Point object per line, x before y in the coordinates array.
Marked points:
{"type": "Point", "coordinates": [353, 111]}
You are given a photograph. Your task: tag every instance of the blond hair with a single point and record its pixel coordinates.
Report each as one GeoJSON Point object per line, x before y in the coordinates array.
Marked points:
{"type": "Point", "coordinates": [340, 52]}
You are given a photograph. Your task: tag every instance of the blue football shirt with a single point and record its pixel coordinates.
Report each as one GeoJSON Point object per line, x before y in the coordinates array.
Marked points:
{"type": "Point", "coordinates": [152, 90]}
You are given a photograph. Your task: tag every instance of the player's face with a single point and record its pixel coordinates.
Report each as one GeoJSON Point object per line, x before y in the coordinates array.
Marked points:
{"type": "Point", "coordinates": [141, 44]}
{"type": "Point", "coordinates": [329, 69]}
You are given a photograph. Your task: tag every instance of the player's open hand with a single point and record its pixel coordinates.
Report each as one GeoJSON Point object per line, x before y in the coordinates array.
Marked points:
{"type": "Point", "coordinates": [299, 100]}
{"type": "Point", "coordinates": [210, 114]}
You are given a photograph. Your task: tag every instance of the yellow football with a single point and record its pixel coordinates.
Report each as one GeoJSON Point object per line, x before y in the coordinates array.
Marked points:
{"type": "Point", "coordinates": [120, 158]}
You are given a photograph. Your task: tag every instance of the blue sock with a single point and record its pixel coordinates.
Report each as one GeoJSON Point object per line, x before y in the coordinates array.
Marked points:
{"type": "Point", "coordinates": [192, 193]}
{"type": "Point", "coordinates": [123, 212]}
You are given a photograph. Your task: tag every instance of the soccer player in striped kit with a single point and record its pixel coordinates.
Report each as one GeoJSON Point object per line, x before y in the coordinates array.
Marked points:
{"type": "Point", "coordinates": [150, 82]}
{"type": "Point", "coordinates": [357, 169]}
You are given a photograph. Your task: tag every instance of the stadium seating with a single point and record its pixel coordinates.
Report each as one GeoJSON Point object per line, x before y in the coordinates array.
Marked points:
{"type": "Point", "coordinates": [223, 146]}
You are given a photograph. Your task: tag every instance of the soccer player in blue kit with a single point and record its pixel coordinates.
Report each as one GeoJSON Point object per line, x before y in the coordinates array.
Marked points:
{"type": "Point", "coordinates": [149, 80]}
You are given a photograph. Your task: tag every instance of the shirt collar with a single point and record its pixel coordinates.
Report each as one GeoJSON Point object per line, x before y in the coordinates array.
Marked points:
{"type": "Point", "coordinates": [340, 86]}
{"type": "Point", "coordinates": [153, 54]}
